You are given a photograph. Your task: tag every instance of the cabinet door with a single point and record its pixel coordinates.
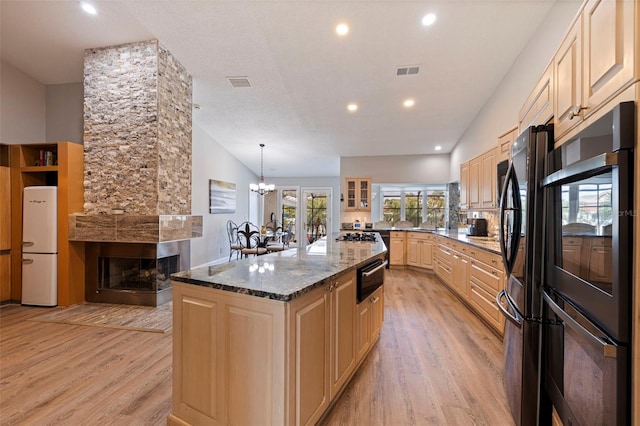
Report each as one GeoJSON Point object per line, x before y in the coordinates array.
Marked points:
{"type": "Point", "coordinates": [413, 251]}
{"type": "Point", "coordinates": [608, 50]}
{"type": "Point", "coordinates": [377, 312]}
{"type": "Point", "coordinates": [343, 327]}
{"type": "Point", "coordinates": [311, 344]}
{"type": "Point", "coordinates": [351, 194]}
{"type": "Point", "coordinates": [397, 251]}
{"type": "Point", "coordinates": [363, 329]}
{"type": "Point", "coordinates": [474, 182]}
{"type": "Point", "coordinates": [538, 108]}
{"type": "Point", "coordinates": [600, 268]}
{"type": "Point", "coordinates": [489, 177]}
{"type": "Point", "coordinates": [426, 254]}
{"type": "Point", "coordinates": [464, 185]}
{"type": "Point", "coordinates": [504, 145]}
{"type": "Point", "coordinates": [568, 73]}
{"type": "Point", "coordinates": [460, 278]}
{"type": "Point", "coordinates": [364, 193]}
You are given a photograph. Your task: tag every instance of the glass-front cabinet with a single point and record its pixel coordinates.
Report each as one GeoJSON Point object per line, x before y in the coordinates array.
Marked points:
{"type": "Point", "coordinates": [357, 194]}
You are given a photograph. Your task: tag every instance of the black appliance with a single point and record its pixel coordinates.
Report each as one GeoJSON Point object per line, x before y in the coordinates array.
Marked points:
{"type": "Point", "coordinates": [521, 242]}
{"type": "Point", "coordinates": [369, 278]}
{"type": "Point", "coordinates": [477, 227]}
{"type": "Point", "coordinates": [588, 277]}
{"type": "Point", "coordinates": [385, 234]}
{"type": "Point", "coordinates": [358, 236]}
{"type": "Point", "coordinates": [501, 169]}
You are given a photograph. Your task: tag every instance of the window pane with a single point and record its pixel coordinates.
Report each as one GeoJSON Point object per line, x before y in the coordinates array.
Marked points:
{"type": "Point", "coordinates": [391, 207]}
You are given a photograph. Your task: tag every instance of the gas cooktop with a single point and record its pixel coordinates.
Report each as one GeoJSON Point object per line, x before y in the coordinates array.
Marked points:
{"type": "Point", "coordinates": [358, 236]}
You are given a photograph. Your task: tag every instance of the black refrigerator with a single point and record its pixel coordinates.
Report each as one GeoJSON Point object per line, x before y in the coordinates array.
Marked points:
{"type": "Point", "coordinates": [521, 241]}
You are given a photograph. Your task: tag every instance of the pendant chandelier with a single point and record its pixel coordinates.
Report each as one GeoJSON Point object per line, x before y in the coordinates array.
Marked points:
{"type": "Point", "coordinates": [262, 188]}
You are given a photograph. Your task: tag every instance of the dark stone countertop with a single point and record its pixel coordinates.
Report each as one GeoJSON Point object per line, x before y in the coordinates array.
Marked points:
{"type": "Point", "coordinates": [288, 274]}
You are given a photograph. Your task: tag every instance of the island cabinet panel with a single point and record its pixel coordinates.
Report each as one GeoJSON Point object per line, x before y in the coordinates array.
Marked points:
{"type": "Point", "coordinates": [310, 356]}
{"type": "Point", "coordinates": [377, 313]}
{"type": "Point", "coordinates": [343, 331]}
{"type": "Point", "coordinates": [364, 330]}
{"type": "Point", "coordinates": [225, 347]}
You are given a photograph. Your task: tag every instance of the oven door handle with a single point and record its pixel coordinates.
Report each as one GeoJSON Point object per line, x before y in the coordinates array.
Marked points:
{"type": "Point", "coordinates": [376, 269]}
{"type": "Point", "coordinates": [608, 350]}
{"type": "Point", "coordinates": [516, 319]}
{"type": "Point", "coordinates": [582, 169]}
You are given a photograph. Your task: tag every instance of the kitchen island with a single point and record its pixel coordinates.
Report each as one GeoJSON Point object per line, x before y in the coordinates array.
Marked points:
{"type": "Point", "coordinates": [272, 339]}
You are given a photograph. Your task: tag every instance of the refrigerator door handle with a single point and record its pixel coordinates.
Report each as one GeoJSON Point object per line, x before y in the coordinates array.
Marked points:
{"type": "Point", "coordinates": [516, 319]}
{"type": "Point", "coordinates": [509, 254]}
{"type": "Point", "coordinates": [27, 261]}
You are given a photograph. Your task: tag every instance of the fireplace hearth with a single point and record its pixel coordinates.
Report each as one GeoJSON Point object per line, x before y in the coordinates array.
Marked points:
{"type": "Point", "coordinates": [132, 273]}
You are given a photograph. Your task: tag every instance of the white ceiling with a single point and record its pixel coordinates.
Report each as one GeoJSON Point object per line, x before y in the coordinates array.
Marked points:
{"type": "Point", "coordinates": [303, 74]}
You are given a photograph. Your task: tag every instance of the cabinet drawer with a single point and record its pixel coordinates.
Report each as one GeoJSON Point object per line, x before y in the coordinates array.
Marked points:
{"type": "Point", "coordinates": [571, 241]}
{"type": "Point", "coordinates": [396, 234]}
{"type": "Point", "coordinates": [491, 278]}
{"type": "Point", "coordinates": [491, 259]}
{"type": "Point", "coordinates": [420, 236]}
{"type": "Point", "coordinates": [486, 303]}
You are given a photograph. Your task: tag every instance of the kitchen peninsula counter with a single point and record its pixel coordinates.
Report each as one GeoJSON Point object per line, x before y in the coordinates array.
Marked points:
{"type": "Point", "coordinates": [272, 339]}
{"type": "Point", "coordinates": [490, 244]}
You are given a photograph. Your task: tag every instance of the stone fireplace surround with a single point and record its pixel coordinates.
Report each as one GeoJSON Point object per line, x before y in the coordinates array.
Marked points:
{"type": "Point", "coordinates": [137, 156]}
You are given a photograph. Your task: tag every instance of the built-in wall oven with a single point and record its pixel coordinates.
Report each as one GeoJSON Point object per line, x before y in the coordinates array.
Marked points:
{"type": "Point", "coordinates": [588, 271]}
{"type": "Point", "coordinates": [369, 278]}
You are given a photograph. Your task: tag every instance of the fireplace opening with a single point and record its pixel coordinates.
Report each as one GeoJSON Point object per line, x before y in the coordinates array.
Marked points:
{"type": "Point", "coordinates": [121, 273]}
{"type": "Point", "coordinates": [133, 273]}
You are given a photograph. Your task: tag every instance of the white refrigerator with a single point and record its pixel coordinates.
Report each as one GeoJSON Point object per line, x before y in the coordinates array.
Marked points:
{"type": "Point", "coordinates": [40, 246]}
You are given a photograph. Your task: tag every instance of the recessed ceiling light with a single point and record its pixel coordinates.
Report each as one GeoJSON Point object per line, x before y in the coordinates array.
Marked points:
{"type": "Point", "coordinates": [409, 103]}
{"type": "Point", "coordinates": [438, 148]}
{"type": "Point", "coordinates": [428, 19]}
{"type": "Point", "coordinates": [89, 8]}
{"type": "Point", "coordinates": [352, 107]}
{"type": "Point", "coordinates": [342, 29]}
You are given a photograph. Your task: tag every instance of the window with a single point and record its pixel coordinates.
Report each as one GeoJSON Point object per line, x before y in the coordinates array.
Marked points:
{"type": "Point", "coordinates": [316, 216]}
{"type": "Point", "coordinates": [414, 204]}
{"type": "Point", "coordinates": [392, 207]}
{"type": "Point", "coordinates": [587, 203]}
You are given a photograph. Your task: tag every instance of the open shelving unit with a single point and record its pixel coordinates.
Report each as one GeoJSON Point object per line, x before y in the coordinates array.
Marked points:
{"type": "Point", "coordinates": [67, 173]}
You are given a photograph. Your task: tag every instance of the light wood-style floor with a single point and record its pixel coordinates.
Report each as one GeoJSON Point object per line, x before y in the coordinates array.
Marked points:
{"type": "Point", "coordinates": [435, 364]}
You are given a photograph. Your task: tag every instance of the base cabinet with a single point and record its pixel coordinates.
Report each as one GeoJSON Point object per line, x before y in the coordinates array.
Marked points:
{"type": "Point", "coordinates": [397, 255]}
{"type": "Point", "coordinates": [239, 359]}
{"type": "Point", "coordinates": [420, 249]}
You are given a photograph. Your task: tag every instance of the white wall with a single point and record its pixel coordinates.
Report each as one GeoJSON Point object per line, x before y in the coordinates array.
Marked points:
{"type": "Point", "coordinates": [398, 168]}
{"type": "Point", "coordinates": [500, 113]}
{"type": "Point", "coordinates": [22, 107]}
{"type": "Point", "coordinates": [65, 112]}
{"type": "Point", "coordinates": [211, 161]}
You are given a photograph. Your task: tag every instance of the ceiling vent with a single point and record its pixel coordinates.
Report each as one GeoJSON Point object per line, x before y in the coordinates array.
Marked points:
{"type": "Point", "coordinates": [239, 81]}
{"type": "Point", "coordinates": [410, 70]}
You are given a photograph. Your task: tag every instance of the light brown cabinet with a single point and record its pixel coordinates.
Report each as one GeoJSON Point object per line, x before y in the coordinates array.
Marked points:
{"type": "Point", "coordinates": [5, 225]}
{"type": "Point", "coordinates": [369, 323]}
{"type": "Point", "coordinates": [420, 249]}
{"type": "Point", "coordinates": [464, 185]}
{"type": "Point", "coordinates": [342, 331]}
{"type": "Point", "coordinates": [397, 253]}
{"type": "Point", "coordinates": [595, 62]}
{"type": "Point", "coordinates": [67, 173]}
{"type": "Point", "coordinates": [475, 275]}
{"type": "Point", "coordinates": [475, 176]}
{"type": "Point", "coordinates": [505, 142]}
{"type": "Point", "coordinates": [358, 194]}
{"type": "Point", "coordinates": [240, 359]}
{"type": "Point", "coordinates": [538, 108]}
{"type": "Point", "coordinates": [489, 176]}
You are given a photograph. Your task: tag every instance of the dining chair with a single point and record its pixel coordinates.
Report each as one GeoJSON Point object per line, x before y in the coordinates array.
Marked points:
{"type": "Point", "coordinates": [234, 241]}
{"type": "Point", "coordinates": [250, 239]}
{"type": "Point", "coordinates": [274, 238]}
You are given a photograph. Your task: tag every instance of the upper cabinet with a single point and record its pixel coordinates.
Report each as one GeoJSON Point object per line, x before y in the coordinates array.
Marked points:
{"type": "Point", "coordinates": [464, 185]}
{"type": "Point", "coordinates": [505, 142]}
{"type": "Point", "coordinates": [475, 174]}
{"type": "Point", "coordinates": [538, 108]}
{"type": "Point", "coordinates": [595, 62]}
{"type": "Point", "coordinates": [488, 198]}
{"type": "Point", "coordinates": [358, 194]}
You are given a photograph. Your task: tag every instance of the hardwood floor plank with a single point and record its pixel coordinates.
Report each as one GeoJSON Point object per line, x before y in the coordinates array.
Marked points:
{"type": "Point", "coordinates": [435, 363]}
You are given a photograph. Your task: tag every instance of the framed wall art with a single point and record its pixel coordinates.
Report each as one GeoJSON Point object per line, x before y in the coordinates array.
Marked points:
{"type": "Point", "coordinates": [222, 197]}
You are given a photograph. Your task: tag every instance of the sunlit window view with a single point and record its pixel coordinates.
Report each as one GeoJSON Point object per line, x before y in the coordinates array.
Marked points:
{"type": "Point", "coordinates": [587, 203]}
{"type": "Point", "coordinates": [425, 206]}
{"type": "Point", "coordinates": [316, 216]}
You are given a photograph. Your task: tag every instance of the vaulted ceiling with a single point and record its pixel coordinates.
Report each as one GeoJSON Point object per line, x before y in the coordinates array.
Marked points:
{"type": "Point", "coordinates": [302, 74]}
